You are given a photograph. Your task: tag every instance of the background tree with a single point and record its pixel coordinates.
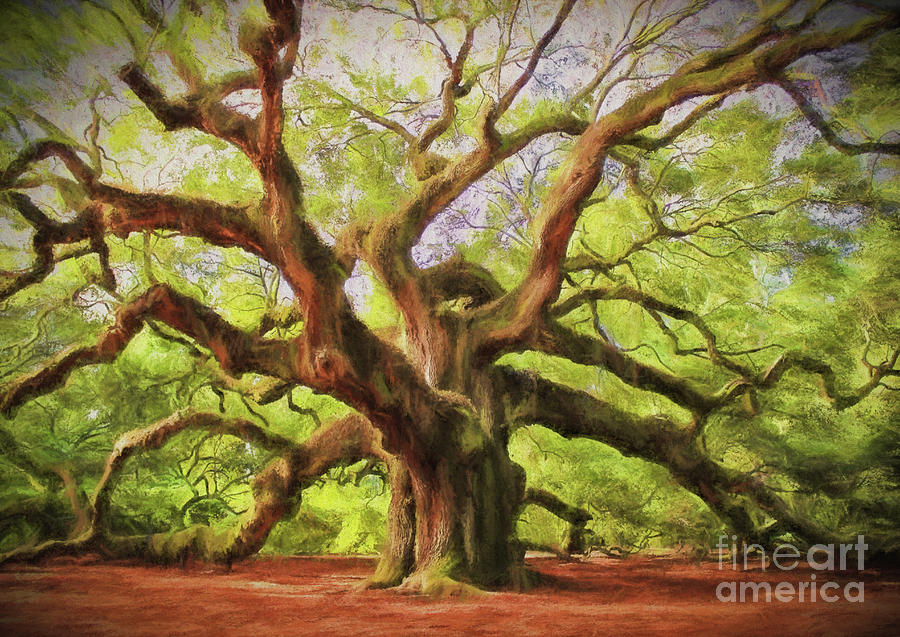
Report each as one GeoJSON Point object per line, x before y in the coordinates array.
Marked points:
{"type": "Point", "coordinates": [664, 227]}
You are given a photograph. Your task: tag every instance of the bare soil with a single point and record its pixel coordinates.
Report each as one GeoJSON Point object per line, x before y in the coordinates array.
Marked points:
{"type": "Point", "coordinates": [319, 596]}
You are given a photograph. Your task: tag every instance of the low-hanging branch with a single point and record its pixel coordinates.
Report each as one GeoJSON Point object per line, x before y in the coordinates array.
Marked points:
{"type": "Point", "coordinates": [97, 536]}
{"type": "Point", "coordinates": [157, 434]}
{"type": "Point", "coordinates": [576, 517]}
{"type": "Point", "coordinates": [276, 489]}
{"type": "Point", "coordinates": [15, 453]}
{"type": "Point", "coordinates": [576, 414]}
{"type": "Point", "coordinates": [564, 511]}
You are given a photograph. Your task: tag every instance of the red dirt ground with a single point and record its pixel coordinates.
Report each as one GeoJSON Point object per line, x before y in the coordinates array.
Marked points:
{"type": "Point", "coordinates": [317, 596]}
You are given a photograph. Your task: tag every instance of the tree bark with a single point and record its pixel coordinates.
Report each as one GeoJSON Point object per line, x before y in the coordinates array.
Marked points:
{"type": "Point", "coordinates": [467, 492]}
{"type": "Point", "coordinates": [398, 556]}
{"type": "Point", "coordinates": [467, 504]}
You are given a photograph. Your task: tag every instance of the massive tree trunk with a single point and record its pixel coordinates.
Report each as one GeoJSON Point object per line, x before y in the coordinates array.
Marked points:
{"type": "Point", "coordinates": [467, 503]}
{"type": "Point", "coordinates": [464, 491]}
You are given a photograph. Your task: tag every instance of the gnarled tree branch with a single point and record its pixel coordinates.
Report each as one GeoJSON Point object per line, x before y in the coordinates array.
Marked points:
{"type": "Point", "coordinates": [236, 351]}
{"type": "Point", "coordinates": [827, 376]}
{"type": "Point", "coordinates": [50, 233]}
{"type": "Point", "coordinates": [275, 490]}
{"type": "Point", "coordinates": [576, 414]}
{"type": "Point", "coordinates": [652, 304]}
{"type": "Point", "coordinates": [193, 111]}
{"type": "Point", "coordinates": [723, 71]}
{"type": "Point", "coordinates": [126, 211]}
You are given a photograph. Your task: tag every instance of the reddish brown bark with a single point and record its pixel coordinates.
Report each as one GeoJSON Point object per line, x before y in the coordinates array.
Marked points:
{"type": "Point", "coordinates": [433, 405]}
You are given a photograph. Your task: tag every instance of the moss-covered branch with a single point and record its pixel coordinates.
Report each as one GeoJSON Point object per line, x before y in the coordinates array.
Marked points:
{"type": "Point", "coordinates": [275, 489]}
{"type": "Point", "coordinates": [576, 414]}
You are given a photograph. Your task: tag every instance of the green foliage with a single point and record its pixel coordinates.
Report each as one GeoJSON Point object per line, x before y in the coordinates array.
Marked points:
{"type": "Point", "coordinates": [338, 515]}
{"type": "Point", "coordinates": [634, 503]}
{"type": "Point", "coordinates": [800, 249]}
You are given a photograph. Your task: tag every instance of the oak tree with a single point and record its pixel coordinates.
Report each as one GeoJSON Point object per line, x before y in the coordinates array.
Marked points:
{"type": "Point", "coordinates": [635, 223]}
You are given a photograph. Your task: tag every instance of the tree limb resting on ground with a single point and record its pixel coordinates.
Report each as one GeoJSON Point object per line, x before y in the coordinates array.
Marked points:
{"type": "Point", "coordinates": [275, 490]}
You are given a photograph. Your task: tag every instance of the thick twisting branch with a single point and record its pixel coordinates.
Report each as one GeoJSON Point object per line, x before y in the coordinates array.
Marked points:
{"type": "Point", "coordinates": [159, 433]}
{"type": "Point", "coordinates": [202, 107]}
{"type": "Point", "coordinates": [236, 350]}
{"type": "Point", "coordinates": [576, 414]}
{"type": "Point", "coordinates": [87, 226]}
{"type": "Point", "coordinates": [572, 413]}
{"type": "Point", "coordinates": [746, 63]}
{"type": "Point", "coordinates": [195, 110]}
{"type": "Point", "coordinates": [276, 489]}
{"type": "Point", "coordinates": [263, 47]}
{"type": "Point", "coordinates": [125, 211]}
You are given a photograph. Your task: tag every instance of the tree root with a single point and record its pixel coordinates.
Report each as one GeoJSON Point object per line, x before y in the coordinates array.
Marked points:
{"type": "Point", "coordinates": [433, 583]}
{"type": "Point", "coordinates": [388, 574]}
